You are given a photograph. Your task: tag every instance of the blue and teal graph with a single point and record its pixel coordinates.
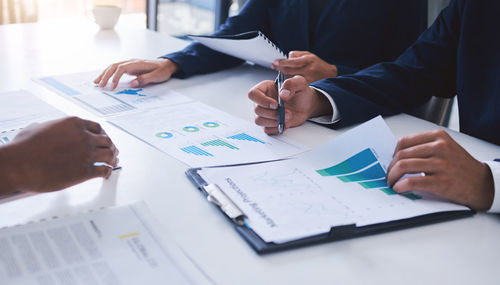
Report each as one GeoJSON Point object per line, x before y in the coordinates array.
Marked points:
{"type": "Point", "coordinates": [4, 140]}
{"type": "Point", "coordinates": [245, 137]}
{"type": "Point", "coordinates": [364, 169]}
{"type": "Point", "coordinates": [196, 151]}
{"type": "Point", "coordinates": [219, 142]}
{"type": "Point", "coordinates": [352, 164]}
{"type": "Point", "coordinates": [373, 172]}
{"type": "Point", "coordinates": [134, 92]}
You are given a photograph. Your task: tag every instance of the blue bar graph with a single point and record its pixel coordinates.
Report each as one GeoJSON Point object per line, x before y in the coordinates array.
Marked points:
{"type": "Point", "coordinates": [196, 151]}
{"type": "Point", "coordinates": [5, 139]}
{"type": "Point", "coordinates": [245, 137]}
{"type": "Point", "coordinates": [59, 86]}
{"type": "Point", "coordinates": [357, 169]}
{"type": "Point", "coordinates": [352, 164]}
{"type": "Point", "coordinates": [374, 183]}
{"type": "Point", "coordinates": [373, 172]}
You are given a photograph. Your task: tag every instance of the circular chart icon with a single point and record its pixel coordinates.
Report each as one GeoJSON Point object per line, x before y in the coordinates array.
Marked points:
{"type": "Point", "coordinates": [211, 124]}
{"type": "Point", "coordinates": [190, 129]}
{"type": "Point", "coordinates": [164, 135]}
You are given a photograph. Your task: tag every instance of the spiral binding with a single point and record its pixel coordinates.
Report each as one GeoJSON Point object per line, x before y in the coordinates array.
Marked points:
{"type": "Point", "coordinates": [272, 44]}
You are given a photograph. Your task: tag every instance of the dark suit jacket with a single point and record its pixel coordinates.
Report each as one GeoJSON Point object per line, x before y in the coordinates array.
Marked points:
{"type": "Point", "coordinates": [459, 54]}
{"type": "Point", "coordinates": [352, 34]}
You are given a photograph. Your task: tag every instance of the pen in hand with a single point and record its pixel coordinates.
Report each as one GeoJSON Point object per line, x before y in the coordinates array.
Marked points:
{"type": "Point", "coordinates": [281, 107]}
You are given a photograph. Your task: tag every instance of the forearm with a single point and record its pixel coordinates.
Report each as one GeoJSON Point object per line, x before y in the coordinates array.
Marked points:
{"type": "Point", "coordinates": [198, 59]}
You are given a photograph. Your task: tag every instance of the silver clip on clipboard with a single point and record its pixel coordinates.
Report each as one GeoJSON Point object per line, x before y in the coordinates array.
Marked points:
{"type": "Point", "coordinates": [219, 198]}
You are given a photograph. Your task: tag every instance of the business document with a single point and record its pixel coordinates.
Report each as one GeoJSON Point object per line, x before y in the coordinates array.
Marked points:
{"type": "Point", "coordinates": [340, 183]}
{"type": "Point", "coordinates": [114, 246]}
{"type": "Point", "coordinates": [200, 135]}
{"type": "Point", "coordinates": [20, 109]}
{"type": "Point", "coordinates": [80, 89]}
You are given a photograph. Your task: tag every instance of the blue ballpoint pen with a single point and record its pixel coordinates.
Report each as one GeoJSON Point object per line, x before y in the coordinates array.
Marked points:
{"type": "Point", "coordinates": [281, 106]}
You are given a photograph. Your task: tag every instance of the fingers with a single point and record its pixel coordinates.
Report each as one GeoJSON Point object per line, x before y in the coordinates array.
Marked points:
{"type": "Point", "coordinates": [106, 155]}
{"type": "Point", "coordinates": [411, 166]}
{"type": "Point", "coordinates": [102, 171]}
{"type": "Point", "coordinates": [102, 141]}
{"type": "Point", "coordinates": [419, 139]}
{"type": "Point", "coordinates": [147, 78]}
{"type": "Point", "coordinates": [294, 66]}
{"type": "Point", "coordinates": [268, 119]}
{"type": "Point", "coordinates": [298, 53]}
{"type": "Point", "coordinates": [425, 183]}
{"type": "Point", "coordinates": [297, 62]}
{"type": "Point", "coordinates": [418, 151]}
{"type": "Point", "coordinates": [120, 70]}
{"type": "Point", "coordinates": [263, 94]}
{"type": "Point", "coordinates": [92, 127]}
{"type": "Point", "coordinates": [104, 77]}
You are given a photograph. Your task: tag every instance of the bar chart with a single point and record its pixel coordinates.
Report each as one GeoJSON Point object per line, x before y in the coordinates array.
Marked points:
{"type": "Point", "coordinates": [365, 169]}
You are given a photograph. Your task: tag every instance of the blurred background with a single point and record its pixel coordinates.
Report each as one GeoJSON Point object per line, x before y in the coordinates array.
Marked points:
{"type": "Point", "coordinates": [175, 17]}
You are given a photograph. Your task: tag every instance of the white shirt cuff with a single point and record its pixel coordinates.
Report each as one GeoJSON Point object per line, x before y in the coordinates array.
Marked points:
{"type": "Point", "coordinates": [495, 171]}
{"type": "Point", "coordinates": [327, 119]}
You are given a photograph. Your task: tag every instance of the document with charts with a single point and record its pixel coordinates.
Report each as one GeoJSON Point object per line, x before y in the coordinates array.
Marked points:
{"type": "Point", "coordinates": [94, 248]}
{"type": "Point", "coordinates": [80, 88]}
{"type": "Point", "coordinates": [200, 135]}
{"type": "Point", "coordinates": [20, 109]}
{"type": "Point", "coordinates": [340, 183]}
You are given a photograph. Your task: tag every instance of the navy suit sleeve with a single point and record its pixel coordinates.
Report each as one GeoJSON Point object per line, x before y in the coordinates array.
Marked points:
{"type": "Point", "coordinates": [198, 59]}
{"type": "Point", "coordinates": [426, 68]}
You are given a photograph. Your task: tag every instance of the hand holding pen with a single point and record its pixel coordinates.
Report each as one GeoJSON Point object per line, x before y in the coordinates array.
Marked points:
{"type": "Point", "coordinates": [302, 102]}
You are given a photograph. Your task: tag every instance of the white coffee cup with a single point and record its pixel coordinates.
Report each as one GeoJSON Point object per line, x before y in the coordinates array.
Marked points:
{"type": "Point", "coordinates": [106, 16]}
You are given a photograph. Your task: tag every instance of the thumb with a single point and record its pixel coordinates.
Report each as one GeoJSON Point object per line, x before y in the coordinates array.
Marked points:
{"type": "Point", "coordinates": [292, 86]}
{"type": "Point", "coordinates": [297, 53]}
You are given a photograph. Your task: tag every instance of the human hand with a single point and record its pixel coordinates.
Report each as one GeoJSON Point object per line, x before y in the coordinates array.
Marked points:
{"type": "Point", "coordinates": [306, 64]}
{"type": "Point", "coordinates": [147, 71]}
{"type": "Point", "coordinates": [60, 153]}
{"type": "Point", "coordinates": [301, 103]}
{"type": "Point", "coordinates": [450, 171]}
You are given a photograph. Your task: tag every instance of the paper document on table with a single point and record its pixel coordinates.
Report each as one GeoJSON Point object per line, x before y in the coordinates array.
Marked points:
{"type": "Point", "coordinates": [20, 109]}
{"type": "Point", "coordinates": [200, 135]}
{"type": "Point", "coordinates": [252, 46]}
{"type": "Point", "coordinates": [115, 246]}
{"type": "Point", "coordinates": [80, 88]}
{"type": "Point", "coordinates": [342, 182]}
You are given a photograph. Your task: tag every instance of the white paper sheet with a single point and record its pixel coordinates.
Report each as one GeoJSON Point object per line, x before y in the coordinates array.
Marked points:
{"type": "Point", "coordinates": [80, 88]}
{"type": "Point", "coordinates": [115, 246]}
{"type": "Point", "coordinates": [20, 109]}
{"type": "Point", "coordinates": [301, 197]}
{"type": "Point", "coordinates": [200, 135]}
{"type": "Point", "coordinates": [257, 50]}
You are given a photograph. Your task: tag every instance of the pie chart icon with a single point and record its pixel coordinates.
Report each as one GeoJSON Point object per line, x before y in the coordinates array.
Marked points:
{"type": "Point", "coordinates": [164, 135]}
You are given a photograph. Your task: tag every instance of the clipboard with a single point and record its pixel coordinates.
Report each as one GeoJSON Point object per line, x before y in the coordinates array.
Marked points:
{"type": "Point", "coordinates": [235, 216]}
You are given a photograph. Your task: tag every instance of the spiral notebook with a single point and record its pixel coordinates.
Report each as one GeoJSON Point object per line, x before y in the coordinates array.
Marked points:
{"type": "Point", "coordinates": [251, 46]}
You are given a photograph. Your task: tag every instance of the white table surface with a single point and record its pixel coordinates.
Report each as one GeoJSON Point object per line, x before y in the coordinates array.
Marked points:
{"type": "Point", "coordinates": [457, 252]}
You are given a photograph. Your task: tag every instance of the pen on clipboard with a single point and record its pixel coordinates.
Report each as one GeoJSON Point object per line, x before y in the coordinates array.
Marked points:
{"type": "Point", "coordinates": [281, 107]}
